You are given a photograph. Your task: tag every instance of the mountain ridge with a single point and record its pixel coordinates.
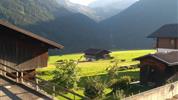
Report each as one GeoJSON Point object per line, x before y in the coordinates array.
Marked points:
{"type": "Point", "coordinates": [140, 19]}
{"type": "Point", "coordinates": [77, 32]}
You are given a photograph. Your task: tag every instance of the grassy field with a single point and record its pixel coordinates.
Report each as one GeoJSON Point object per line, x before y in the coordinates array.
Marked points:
{"type": "Point", "coordinates": [97, 68]}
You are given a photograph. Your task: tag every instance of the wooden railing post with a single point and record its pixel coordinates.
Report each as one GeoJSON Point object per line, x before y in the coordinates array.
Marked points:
{"type": "Point", "coordinates": [5, 69]}
{"type": "Point", "coordinates": [22, 81]}
{"type": "Point", "coordinates": [37, 82]}
{"type": "Point", "coordinates": [1, 72]}
{"type": "Point", "coordinates": [17, 77]}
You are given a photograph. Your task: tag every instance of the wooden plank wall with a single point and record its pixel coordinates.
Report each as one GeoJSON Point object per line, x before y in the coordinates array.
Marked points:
{"type": "Point", "coordinates": [166, 43]}
{"type": "Point", "coordinates": [154, 64]}
{"type": "Point", "coordinates": [31, 56]}
{"type": "Point", "coordinates": [7, 52]}
{"type": "Point", "coordinates": [22, 53]}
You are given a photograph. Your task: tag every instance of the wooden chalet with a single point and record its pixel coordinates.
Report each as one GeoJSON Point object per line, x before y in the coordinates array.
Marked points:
{"type": "Point", "coordinates": [23, 50]}
{"type": "Point", "coordinates": [166, 38]}
{"type": "Point", "coordinates": [96, 54]}
{"type": "Point", "coordinates": [162, 66]}
{"type": "Point", "coordinates": [158, 68]}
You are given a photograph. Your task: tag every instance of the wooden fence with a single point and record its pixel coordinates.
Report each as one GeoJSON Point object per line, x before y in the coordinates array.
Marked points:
{"type": "Point", "coordinates": [38, 85]}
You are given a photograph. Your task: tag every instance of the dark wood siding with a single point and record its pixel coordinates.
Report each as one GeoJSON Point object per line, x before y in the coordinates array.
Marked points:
{"type": "Point", "coordinates": [21, 52]}
{"type": "Point", "coordinates": [177, 43]}
{"type": "Point", "coordinates": [31, 57]}
{"type": "Point", "coordinates": [168, 43]}
{"type": "Point", "coordinates": [146, 75]}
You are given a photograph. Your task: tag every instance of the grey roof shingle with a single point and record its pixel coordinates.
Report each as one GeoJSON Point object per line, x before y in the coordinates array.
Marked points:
{"type": "Point", "coordinates": [93, 51]}
{"type": "Point", "coordinates": [170, 58]}
{"type": "Point", "coordinates": [169, 30]}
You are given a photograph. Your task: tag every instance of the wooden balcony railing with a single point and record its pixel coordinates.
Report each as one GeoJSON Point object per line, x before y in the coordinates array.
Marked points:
{"type": "Point", "coordinates": [38, 84]}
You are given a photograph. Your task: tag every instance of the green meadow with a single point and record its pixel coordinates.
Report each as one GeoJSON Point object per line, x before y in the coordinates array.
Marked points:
{"type": "Point", "coordinates": [97, 68]}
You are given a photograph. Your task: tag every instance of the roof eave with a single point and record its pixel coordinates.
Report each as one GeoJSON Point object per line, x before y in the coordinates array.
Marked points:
{"type": "Point", "coordinates": [32, 35]}
{"type": "Point", "coordinates": [173, 64]}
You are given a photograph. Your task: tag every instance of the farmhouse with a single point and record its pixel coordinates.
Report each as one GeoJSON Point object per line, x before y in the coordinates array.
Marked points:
{"type": "Point", "coordinates": [163, 66]}
{"type": "Point", "coordinates": [166, 38]}
{"type": "Point", "coordinates": [23, 50]}
{"type": "Point", "coordinates": [95, 54]}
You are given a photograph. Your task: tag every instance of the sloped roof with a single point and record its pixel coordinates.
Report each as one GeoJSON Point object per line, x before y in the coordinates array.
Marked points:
{"type": "Point", "coordinates": [96, 51]}
{"type": "Point", "coordinates": [30, 34]}
{"type": "Point", "coordinates": [170, 58]}
{"type": "Point", "coordinates": [169, 30]}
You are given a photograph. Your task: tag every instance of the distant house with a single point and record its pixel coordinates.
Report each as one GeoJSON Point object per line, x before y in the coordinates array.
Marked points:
{"type": "Point", "coordinates": [23, 50]}
{"type": "Point", "coordinates": [95, 54]}
{"type": "Point", "coordinates": [162, 66]}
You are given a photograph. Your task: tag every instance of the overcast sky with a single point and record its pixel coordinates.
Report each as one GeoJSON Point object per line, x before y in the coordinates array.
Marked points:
{"type": "Point", "coordinates": [83, 2]}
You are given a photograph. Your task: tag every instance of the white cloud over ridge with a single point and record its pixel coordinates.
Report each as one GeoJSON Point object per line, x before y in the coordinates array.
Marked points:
{"type": "Point", "coordinates": [83, 2]}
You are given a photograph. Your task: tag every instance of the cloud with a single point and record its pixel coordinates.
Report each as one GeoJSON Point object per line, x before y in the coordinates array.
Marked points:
{"type": "Point", "coordinates": [83, 2]}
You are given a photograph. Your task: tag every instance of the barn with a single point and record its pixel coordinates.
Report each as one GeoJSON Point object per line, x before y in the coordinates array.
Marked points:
{"type": "Point", "coordinates": [95, 54]}
{"type": "Point", "coordinates": [162, 66]}
{"type": "Point", "coordinates": [23, 50]}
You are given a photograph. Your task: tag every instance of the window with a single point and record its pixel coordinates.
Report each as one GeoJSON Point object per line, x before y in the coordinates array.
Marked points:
{"type": "Point", "coordinates": [172, 41]}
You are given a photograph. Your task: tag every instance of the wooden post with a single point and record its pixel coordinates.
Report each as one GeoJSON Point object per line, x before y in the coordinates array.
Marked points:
{"type": "Point", "coordinates": [1, 72]}
{"type": "Point", "coordinates": [22, 81]}
{"type": "Point", "coordinates": [17, 77]}
{"type": "Point", "coordinates": [37, 82]}
{"type": "Point", "coordinates": [5, 69]}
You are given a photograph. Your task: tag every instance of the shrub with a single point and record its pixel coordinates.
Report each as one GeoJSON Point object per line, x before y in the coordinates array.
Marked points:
{"type": "Point", "coordinates": [118, 95]}
{"type": "Point", "coordinates": [65, 74]}
{"type": "Point", "coordinates": [94, 88]}
{"type": "Point", "coordinates": [112, 71]}
{"type": "Point", "coordinates": [121, 83]}
{"type": "Point", "coordinates": [42, 73]}
{"type": "Point", "coordinates": [133, 89]}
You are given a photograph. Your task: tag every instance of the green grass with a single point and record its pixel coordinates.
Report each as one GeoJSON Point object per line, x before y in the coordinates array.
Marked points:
{"type": "Point", "coordinates": [53, 59]}
{"type": "Point", "coordinates": [97, 68]}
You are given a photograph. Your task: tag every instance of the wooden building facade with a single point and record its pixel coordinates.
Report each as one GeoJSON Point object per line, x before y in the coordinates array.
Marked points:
{"type": "Point", "coordinates": [166, 38]}
{"type": "Point", "coordinates": [158, 68]}
{"type": "Point", "coordinates": [167, 43]}
{"type": "Point", "coordinates": [162, 66]}
{"type": "Point", "coordinates": [95, 54]}
{"type": "Point", "coordinates": [23, 50]}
